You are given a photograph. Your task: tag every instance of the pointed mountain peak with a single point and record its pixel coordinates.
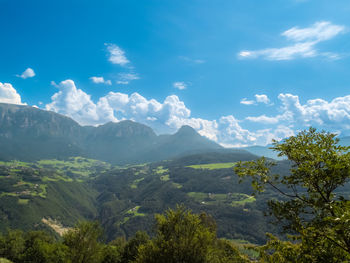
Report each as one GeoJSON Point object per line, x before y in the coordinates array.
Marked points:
{"type": "Point", "coordinates": [186, 130]}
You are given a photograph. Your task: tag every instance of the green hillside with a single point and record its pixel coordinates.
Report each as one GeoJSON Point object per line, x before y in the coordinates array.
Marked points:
{"type": "Point", "coordinates": [56, 189]}
{"type": "Point", "coordinates": [125, 199]}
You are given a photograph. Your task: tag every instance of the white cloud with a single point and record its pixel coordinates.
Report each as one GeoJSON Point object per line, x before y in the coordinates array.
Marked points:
{"type": "Point", "coordinates": [116, 55]}
{"type": "Point", "coordinates": [180, 85]}
{"type": "Point", "coordinates": [264, 119]}
{"type": "Point", "coordinates": [262, 98]}
{"type": "Point", "coordinates": [169, 115]}
{"type": "Point", "coordinates": [305, 40]}
{"type": "Point", "coordinates": [259, 98]}
{"type": "Point", "coordinates": [125, 78]}
{"type": "Point", "coordinates": [320, 31]}
{"type": "Point", "coordinates": [8, 94]}
{"type": "Point", "coordinates": [74, 103]}
{"type": "Point", "coordinates": [246, 53]}
{"type": "Point", "coordinates": [332, 115]}
{"type": "Point", "coordinates": [100, 80]}
{"type": "Point", "coordinates": [245, 101]}
{"type": "Point", "coordinates": [28, 73]}
{"type": "Point", "coordinates": [163, 117]}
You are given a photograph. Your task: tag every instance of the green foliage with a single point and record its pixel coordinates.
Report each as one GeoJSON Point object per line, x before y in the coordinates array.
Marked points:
{"type": "Point", "coordinates": [33, 246]}
{"type": "Point", "coordinates": [181, 237]}
{"type": "Point", "coordinates": [186, 237]}
{"type": "Point", "coordinates": [225, 252]}
{"type": "Point", "coordinates": [131, 248]}
{"type": "Point", "coordinates": [12, 245]}
{"type": "Point", "coordinates": [83, 243]}
{"type": "Point", "coordinates": [111, 254]}
{"type": "Point", "coordinates": [313, 207]}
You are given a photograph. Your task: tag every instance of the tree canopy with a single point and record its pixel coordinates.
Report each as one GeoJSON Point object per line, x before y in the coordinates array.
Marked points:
{"type": "Point", "coordinates": [312, 209]}
{"type": "Point", "coordinates": [188, 238]}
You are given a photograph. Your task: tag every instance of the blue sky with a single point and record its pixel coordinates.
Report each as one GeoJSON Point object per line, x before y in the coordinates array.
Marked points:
{"type": "Point", "coordinates": [239, 72]}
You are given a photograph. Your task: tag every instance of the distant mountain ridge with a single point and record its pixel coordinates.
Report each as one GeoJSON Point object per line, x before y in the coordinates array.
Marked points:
{"type": "Point", "coordinates": [269, 153]}
{"type": "Point", "coordinates": [29, 134]}
{"type": "Point", "coordinates": [263, 151]}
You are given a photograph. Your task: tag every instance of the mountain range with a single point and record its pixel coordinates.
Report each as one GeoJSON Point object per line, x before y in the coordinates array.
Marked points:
{"type": "Point", "coordinates": [31, 134]}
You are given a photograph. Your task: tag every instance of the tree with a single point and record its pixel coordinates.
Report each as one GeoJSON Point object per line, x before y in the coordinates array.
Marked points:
{"type": "Point", "coordinates": [83, 242]}
{"type": "Point", "coordinates": [313, 209]}
{"type": "Point", "coordinates": [40, 247]}
{"type": "Point", "coordinates": [181, 237]}
{"type": "Point", "coordinates": [130, 250]}
{"type": "Point", "coordinates": [32, 246]}
{"type": "Point", "coordinates": [187, 238]}
{"type": "Point", "coordinates": [12, 245]}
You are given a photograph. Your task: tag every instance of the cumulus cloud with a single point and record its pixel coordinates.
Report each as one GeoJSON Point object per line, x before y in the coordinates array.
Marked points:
{"type": "Point", "coordinates": [259, 98]}
{"type": "Point", "coordinates": [8, 94]}
{"type": "Point", "coordinates": [170, 114]}
{"type": "Point", "coordinates": [262, 98]}
{"type": "Point", "coordinates": [100, 80]}
{"type": "Point", "coordinates": [125, 78]}
{"type": "Point", "coordinates": [304, 41]}
{"type": "Point", "coordinates": [116, 55]}
{"type": "Point", "coordinates": [332, 115]}
{"type": "Point", "coordinates": [28, 73]}
{"type": "Point", "coordinates": [180, 85]}
{"type": "Point", "coordinates": [74, 103]}
{"type": "Point", "coordinates": [164, 117]}
{"type": "Point", "coordinates": [116, 106]}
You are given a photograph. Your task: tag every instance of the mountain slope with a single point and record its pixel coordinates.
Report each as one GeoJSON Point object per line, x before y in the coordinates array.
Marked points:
{"type": "Point", "coordinates": [30, 134]}
{"type": "Point", "coordinates": [263, 151]}
{"type": "Point", "coordinates": [27, 133]}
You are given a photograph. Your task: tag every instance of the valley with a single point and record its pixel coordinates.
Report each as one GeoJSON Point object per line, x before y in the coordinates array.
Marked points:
{"type": "Point", "coordinates": [126, 198]}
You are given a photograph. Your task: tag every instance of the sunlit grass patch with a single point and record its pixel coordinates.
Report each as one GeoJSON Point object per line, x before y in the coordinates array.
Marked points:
{"type": "Point", "coordinates": [135, 211]}
{"type": "Point", "coordinates": [161, 170]}
{"type": "Point", "coordinates": [212, 166]}
{"type": "Point", "coordinates": [233, 199]}
{"type": "Point", "coordinates": [77, 166]}
{"type": "Point", "coordinates": [165, 177]}
{"type": "Point", "coordinates": [23, 201]}
{"type": "Point", "coordinates": [136, 182]}
{"type": "Point", "coordinates": [176, 185]}
{"type": "Point", "coordinates": [56, 178]}
{"type": "Point", "coordinates": [243, 199]}
{"type": "Point", "coordinates": [15, 164]}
